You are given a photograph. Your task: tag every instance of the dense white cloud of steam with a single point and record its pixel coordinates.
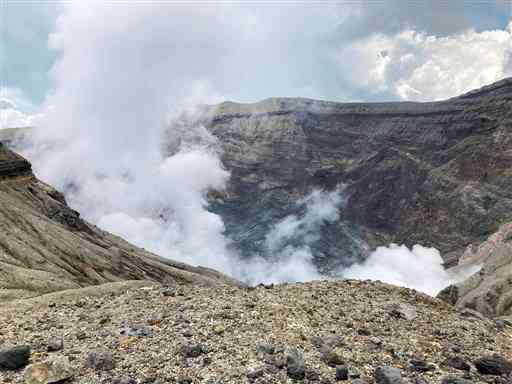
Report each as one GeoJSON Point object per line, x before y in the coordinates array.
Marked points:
{"type": "Point", "coordinates": [123, 72]}
{"type": "Point", "coordinates": [418, 66]}
{"type": "Point", "coordinates": [288, 244]}
{"type": "Point", "coordinates": [419, 268]}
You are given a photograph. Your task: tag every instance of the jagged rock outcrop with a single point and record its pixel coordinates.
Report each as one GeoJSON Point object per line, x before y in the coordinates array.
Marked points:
{"type": "Point", "coordinates": [45, 246]}
{"type": "Point", "coordinates": [436, 173]}
{"type": "Point", "coordinates": [490, 290]}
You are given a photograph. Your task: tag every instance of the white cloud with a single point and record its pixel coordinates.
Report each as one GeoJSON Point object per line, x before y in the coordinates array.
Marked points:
{"type": "Point", "coordinates": [15, 110]}
{"type": "Point", "coordinates": [422, 67]}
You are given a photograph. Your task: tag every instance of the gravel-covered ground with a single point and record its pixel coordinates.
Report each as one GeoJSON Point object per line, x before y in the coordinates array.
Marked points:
{"type": "Point", "coordinates": [312, 332]}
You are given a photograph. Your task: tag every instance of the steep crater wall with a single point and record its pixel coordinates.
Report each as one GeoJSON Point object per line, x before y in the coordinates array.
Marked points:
{"type": "Point", "coordinates": [434, 173]}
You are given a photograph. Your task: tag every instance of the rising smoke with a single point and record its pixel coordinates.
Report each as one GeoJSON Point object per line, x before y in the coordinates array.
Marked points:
{"type": "Point", "coordinates": [123, 74]}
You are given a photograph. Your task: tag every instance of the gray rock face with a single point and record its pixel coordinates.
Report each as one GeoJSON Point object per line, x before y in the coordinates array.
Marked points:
{"type": "Point", "coordinates": [45, 246]}
{"type": "Point", "coordinates": [490, 290]}
{"type": "Point", "coordinates": [432, 173]}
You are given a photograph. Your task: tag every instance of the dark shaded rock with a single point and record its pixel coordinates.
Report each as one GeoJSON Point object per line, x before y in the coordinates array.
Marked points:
{"type": "Point", "coordinates": [341, 373]}
{"type": "Point", "coordinates": [15, 357]}
{"type": "Point", "coordinates": [421, 366]}
{"type": "Point", "coordinates": [387, 375]}
{"type": "Point", "coordinates": [295, 366]}
{"type": "Point", "coordinates": [493, 365]}
{"type": "Point", "coordinates": [100, 361]}
{"type": "Point", "coordinates": [457, 362]}
{"type": "Point", "coordinates": [193, 350]}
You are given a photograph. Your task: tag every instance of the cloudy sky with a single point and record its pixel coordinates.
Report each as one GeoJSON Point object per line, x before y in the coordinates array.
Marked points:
{"type": "Point", "coordinates": [346, 51]}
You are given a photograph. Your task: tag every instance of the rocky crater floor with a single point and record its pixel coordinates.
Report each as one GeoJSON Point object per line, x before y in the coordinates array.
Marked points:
{"type": "Point", "coordinates": [319, 332]}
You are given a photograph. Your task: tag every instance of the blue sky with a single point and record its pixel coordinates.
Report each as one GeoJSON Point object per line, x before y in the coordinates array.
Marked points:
{"type": "Point", "coordinates": [303, 52]}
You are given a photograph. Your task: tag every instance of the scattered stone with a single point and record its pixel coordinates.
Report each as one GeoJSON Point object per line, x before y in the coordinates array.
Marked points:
{"type": "Point", "coordinates": [388, 375]}
{"type": "Point", "coordinates": [55, 371]}
{"type": "Point", "coordinates": [254, 373]}
{"type": "Point", "coordinates": [169, 293]}
{"type": "Point", "coordinates": [55, 344]}
{"type": "Point", "coordinates": [265, 349]}
{"type": "Point", "coordinates": [421, 366]}
{"type": "Point", "coordinates": [184, 380]}
{"type": "Point", "coordinates": [457, 362]}
{"type": "Point", "coordinates": [219, 329]}
{"type": "Point", "coordinates": [341, 373]}
{"type": "Point", "coordinates": [493, 365]}
{"type": "Point", "coordinates": [193, 350]}
{"type": "Point", "coordinates": [402, 311]}
{"type": "Point", "coordinates": [353, 373]}
{"type": "Point", "coordinates": [254, 348]}
{"type": "Point", "coordinates": [329, 340]}
{"type": "Point", "coordinates": [15, 357]}
{"type": "Point", "coordinates": [124, 380]}
{"type": "Point", "coordinates": [455, 380]}
{"type": "Point", "coordinates": [100, 361]}
{"type": "Point", "coordinates": [312, 374]}
{"type": "Point", "coordinates": [295, 366]}
{"type": "Point", "coordinates": [330, 356]}
{"type": "Point", "coordinates": [137, 331]}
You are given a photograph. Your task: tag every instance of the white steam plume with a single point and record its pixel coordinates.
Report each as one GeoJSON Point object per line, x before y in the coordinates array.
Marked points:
{"type": "Point", "coordinates": [288, 244]}
{"type": "Point", "coordinates": [419, 268]}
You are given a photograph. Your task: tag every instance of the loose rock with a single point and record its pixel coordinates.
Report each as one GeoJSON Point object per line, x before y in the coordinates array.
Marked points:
{"type": "Point", "coordinates": [55, 371]}
{"type": "Point", "coordinates": [493, 365]}
{"type": "Point", "coordinates": [388, 375]}
{"type": "Point", "coordinates": [100, 361]}
{"type": "Point", "coordinates": [15, 357]}
{"type": "Point", "coordinates": [457, 362]}
{"type": "Point", "coordinates": [295, 366]}
{"type": "Point", "coordinates": [55, 344]}
{"type": "Point", "coordinates": [341, 373]}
